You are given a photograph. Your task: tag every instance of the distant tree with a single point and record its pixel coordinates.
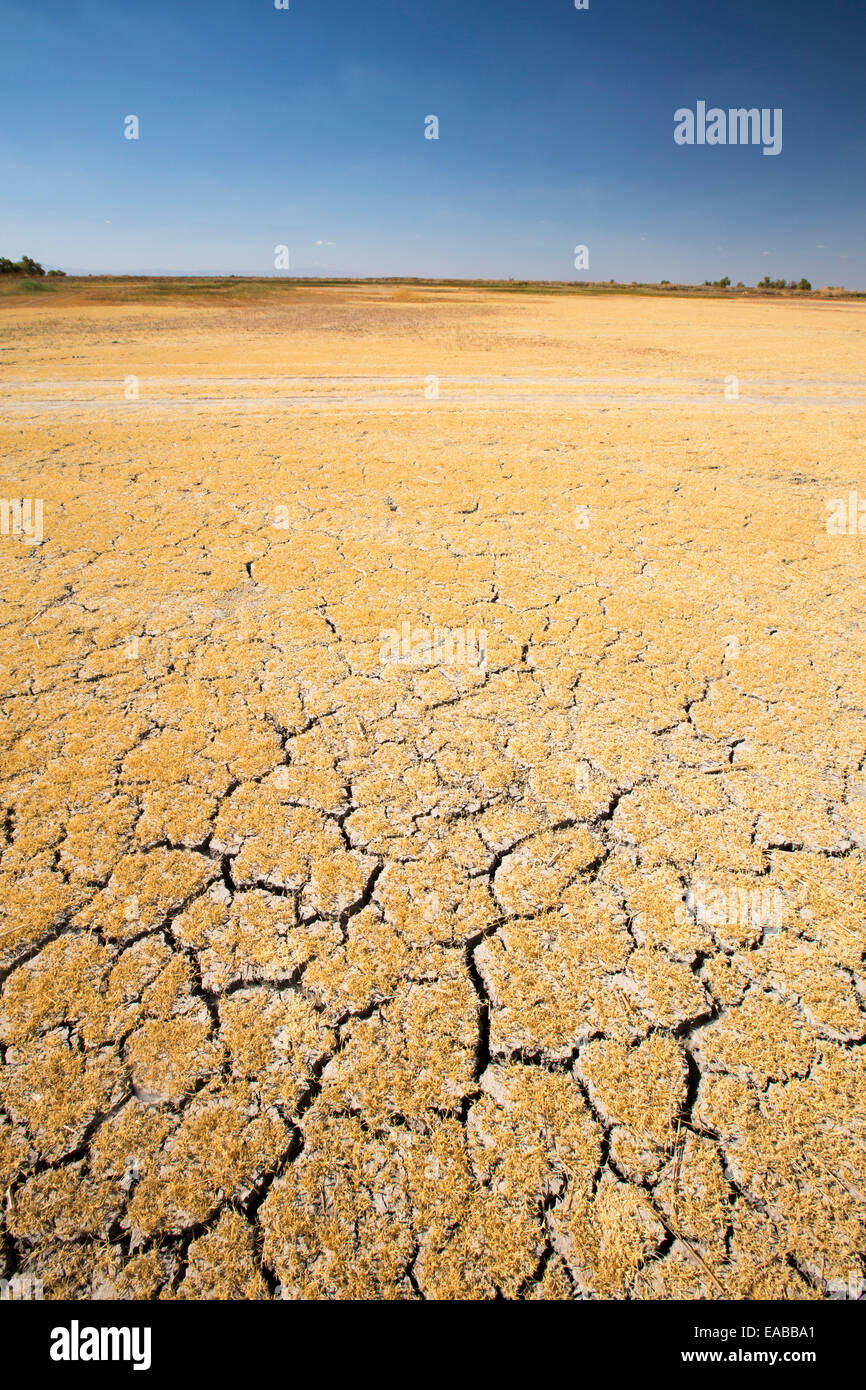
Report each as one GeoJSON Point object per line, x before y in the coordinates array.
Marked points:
{"type": "Point", "coordinates": [56, 273]}
{"type": "Point", "coordinates": [7, 267]}
{"type": "Point", "coordinates": [27, 266]}
{"type": "Point", "coordinates": [804, 285]}
{"type": "Point", "coordinates": [724, 283]}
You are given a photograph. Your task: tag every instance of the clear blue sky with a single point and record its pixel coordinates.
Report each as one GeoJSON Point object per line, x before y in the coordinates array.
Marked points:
{"type": "Point", "coordinates": [306, 127]}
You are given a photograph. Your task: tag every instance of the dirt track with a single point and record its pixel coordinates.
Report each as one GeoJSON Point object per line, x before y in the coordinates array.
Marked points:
{"type": "Point", "coordinates": [538, 974]}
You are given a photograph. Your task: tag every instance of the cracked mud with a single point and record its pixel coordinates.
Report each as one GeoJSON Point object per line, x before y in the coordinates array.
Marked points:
{"type": "Point", "coordinates": [329, 977]}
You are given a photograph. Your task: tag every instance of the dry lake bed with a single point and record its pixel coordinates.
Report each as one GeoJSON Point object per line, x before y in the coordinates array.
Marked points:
{"type": "Point", "coordinates": [433, 798]}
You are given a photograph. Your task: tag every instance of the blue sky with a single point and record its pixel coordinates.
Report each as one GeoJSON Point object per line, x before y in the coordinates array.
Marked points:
{"type": "Point", "coordinates": [305, 127]}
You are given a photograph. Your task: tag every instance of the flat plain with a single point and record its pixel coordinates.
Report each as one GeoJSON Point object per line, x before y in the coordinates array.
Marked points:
{"type": "Point", "coordinates": [328, 973]}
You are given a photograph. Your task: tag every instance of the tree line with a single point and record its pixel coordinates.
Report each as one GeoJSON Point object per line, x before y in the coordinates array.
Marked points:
{"type": "Point", "coordinates": [765, 284]}
{"type": "Point", "coordinates": [26, 266]}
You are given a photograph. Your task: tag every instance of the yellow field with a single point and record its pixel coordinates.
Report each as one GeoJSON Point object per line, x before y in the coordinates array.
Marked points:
{"type": "Point", "coordinates": [433, 805]}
